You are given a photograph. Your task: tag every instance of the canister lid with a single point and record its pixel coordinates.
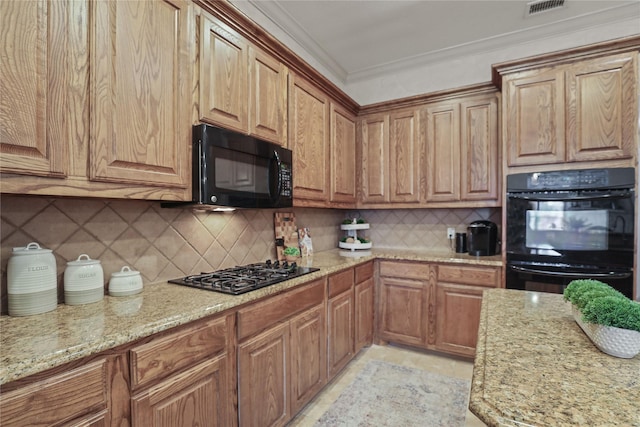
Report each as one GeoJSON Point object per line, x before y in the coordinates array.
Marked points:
{"type": "Point", "coordinates": [125, 272]}
{"type": "Point", "coordinates": [31, 249]}
{"type": "Point", "coordinates": [83, 259]}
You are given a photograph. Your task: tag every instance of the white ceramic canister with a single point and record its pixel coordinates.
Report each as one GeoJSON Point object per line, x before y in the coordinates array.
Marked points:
{"type": "Point", "coordinates": [32, 286]}
{"type": "Point", "coordinates": [83, 281]}
{"type": "Point", "coordinates": [125, 282]}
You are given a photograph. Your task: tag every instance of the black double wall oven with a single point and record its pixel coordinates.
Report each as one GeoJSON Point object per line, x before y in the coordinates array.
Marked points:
{"type": "Point", "coordinates": [566, 225]}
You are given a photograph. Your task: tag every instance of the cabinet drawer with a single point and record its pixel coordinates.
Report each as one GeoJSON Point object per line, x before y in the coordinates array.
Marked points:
{"type": "Point", "coordinates": [263, 314]}
{"type": "Point", "coordinates": [57, 399]}
{"type": "Point", "coordinates": [340, 282]}
{"type": "Point", "coordinates": [364, 272]}
{"type": "Point", "coordinates": [480, 276]}
{"type": "Point", "coordinates": [402, 269]}
{"type": "Point", "coordinates": [171, 353]}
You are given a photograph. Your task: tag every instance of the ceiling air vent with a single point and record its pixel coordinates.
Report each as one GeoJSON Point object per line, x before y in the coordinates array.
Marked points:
{"type": "Point", "coordinates": [539, 6]}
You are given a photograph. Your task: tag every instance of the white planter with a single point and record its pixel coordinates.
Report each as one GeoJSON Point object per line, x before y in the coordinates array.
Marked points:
{"type": "Point", "coordinates": [616, 342]}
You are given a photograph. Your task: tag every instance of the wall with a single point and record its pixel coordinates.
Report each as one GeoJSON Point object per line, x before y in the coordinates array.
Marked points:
{"type": "Point", "coordinates": [166, 244]}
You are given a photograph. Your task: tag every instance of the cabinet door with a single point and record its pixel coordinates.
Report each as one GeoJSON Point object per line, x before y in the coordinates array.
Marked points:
{"type": "Point", "coordinates": [343, 155]}
{"type": "Point", "coordinates": [224, 60]}
{"type": "Point", "coordinates": [197, 396]}
{"type": "Point", "coordinates": [33, 132]}
{"type": "Point", "coordinates": [404, 157]}
{"type": "Point", "coordinates": [602, 108]}
{"type": "Point", "coordinates": [308, 356]}
{"type": "Point", "coordinates": [457, 318]}
{"type": "Point", "coordinates": [262, 378]}
{"type": "Point", "coordinates": [364, 314]}
{"type": "Point", "coordinates": [479, 149]}
{"type": "Point", "coordinates": [375, 159]}
{"type": "Point", "coordinates": [139, 97]}
{"type": "Point", "coordinates": [443, 152]}
{"type": "Point", "coordinates": [309, 141]}
{"type": "Point", "coordinates": [534, 118]}
{"type": "Point", "coordinates": [267, 97]}
{"type": "Point", "coordinates": [341, 321]}
{"type": "Point", "coordinates": [403, 316]}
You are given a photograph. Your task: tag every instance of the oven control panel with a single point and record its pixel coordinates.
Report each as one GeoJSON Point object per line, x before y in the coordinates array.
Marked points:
{"type": "Point", "coordinates": [589, 179]}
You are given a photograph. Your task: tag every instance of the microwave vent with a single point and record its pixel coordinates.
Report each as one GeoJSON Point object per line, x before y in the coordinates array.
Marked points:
{"type": "Point", "coordinates": [539, 6]}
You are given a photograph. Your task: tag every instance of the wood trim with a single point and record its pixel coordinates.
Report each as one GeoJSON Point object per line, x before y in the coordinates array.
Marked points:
{"type": "Point", "coordinates": [609, 47]}
{"type": "Point", "coordinates": [420, 100]}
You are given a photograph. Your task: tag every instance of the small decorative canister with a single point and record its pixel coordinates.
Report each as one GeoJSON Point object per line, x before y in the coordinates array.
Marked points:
{"type": "Point", "coordinates": [125, 282]}
{"type": "Point", "coordinates": [32, 286]}
{"type": "Point", "coordinates": [83, 281]}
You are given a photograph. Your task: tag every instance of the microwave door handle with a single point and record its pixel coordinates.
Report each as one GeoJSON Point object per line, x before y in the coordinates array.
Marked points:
{"type": "Point", "coordinates": [554, 198]}
{"type": "Point", "coordinates": [275, 162]}
{"type": "Point", "coordinates": [610, 275]}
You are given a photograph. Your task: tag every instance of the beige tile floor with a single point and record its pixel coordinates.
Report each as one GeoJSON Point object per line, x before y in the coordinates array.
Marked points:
{"type": "Point", "coordinates": [443, 365]}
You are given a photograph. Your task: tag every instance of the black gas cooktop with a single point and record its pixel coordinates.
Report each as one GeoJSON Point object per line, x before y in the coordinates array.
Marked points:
{"type": "Point", "coordinates": [245, 278]}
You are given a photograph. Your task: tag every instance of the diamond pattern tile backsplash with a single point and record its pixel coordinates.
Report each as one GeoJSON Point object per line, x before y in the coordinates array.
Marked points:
{"type": "Point", "coordinates": [169, 243]}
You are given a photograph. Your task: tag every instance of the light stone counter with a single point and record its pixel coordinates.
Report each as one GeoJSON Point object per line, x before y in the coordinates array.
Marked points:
{"type": "Point", "coordinates": [535, 367]}
{"type": "Point", "coordinates": [32, 344]}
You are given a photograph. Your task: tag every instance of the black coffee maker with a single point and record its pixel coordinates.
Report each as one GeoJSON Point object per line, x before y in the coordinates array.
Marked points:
{"type": "Point", "coordinates": [482, 238]}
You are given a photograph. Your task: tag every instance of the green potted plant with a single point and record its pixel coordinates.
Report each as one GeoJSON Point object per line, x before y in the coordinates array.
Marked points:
{"type": "Point", "coordinates": [608, 318]}
{"type": "Point", "coordinates": [291, 253]}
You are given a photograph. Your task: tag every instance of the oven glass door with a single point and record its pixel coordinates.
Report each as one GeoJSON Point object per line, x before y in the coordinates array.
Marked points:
{"type": "Point", "coordinates": [572, 227]}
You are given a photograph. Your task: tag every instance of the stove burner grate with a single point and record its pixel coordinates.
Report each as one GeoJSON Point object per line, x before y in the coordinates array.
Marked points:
{"type": "Point", "coordinates": [246, 278]}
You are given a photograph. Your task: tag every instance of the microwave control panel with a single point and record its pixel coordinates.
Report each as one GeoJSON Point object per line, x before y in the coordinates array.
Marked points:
{"type": "Point", "coordinates": [285, 179]}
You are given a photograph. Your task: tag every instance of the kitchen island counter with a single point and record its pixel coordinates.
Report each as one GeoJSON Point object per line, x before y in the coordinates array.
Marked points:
{"type": "Point", "coordinates": [535, 367]}
{"type": "Point", "coordinates": [32, 344]}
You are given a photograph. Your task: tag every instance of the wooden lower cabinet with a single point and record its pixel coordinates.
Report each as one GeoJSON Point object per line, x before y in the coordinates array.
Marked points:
{"type": "Point", "coordinates": [197, 396]}
{"type": "Point", "coordinates": [186, 377]}
{"type": "Point", "coordinates": [86, 394]}
{"type": "Point", "coordinates": [340, 320]}
{"type": "Point", "coordinates": [281, 355]}
{"type": "Point", "coordinates": [364, 306]}
{"type": "Point", "coordinates": [433, 306]}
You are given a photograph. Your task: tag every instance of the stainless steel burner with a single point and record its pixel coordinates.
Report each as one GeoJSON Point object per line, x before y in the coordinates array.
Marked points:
{"type": "Point", "coordinates": [241, 279]}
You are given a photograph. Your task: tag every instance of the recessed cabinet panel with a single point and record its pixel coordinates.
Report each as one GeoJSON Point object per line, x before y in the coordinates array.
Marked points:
{"type": "Point", "coordinates": [33, 132]}
{"type": "Point", "coordinates": [309, 140]}
{"type": "Point", "coordinates": [602, 108]}
{"type": "Point", "coordinates": [404, 157]}
{"type": "Point", "coordinates": [343, 155]}
{"type": "Point", "coordinates": [223, 75]}
{"type": "Point", "coordinates": [443, 153]}
{"type": "Point", "coordinates": [139, 94]}
{"type": "Point", "coordinates": [403, 318]}
{"type": "Point", "coordinates": [479, 149]}
{"type": "Point", "coordinates": [535, 117]}
{"type": "Point", "coordinates": [268, 97]}
{"type": "Point", "coordinates": [375, 159]}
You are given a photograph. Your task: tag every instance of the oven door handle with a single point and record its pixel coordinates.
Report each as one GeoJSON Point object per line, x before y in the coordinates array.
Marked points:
{"type": "Point", "coordinates": [564, 198]}
{"type": "Point", "coordinates": [609, 275]}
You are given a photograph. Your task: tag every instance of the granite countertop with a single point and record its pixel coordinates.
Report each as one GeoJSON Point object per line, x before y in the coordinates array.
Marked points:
{"type": "Point", "coordinates": [32, 344]}
{"type": "Point", "coordinates": [535, 367]}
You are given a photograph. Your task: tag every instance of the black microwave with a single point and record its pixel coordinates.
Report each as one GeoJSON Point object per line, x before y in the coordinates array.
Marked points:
{"type": "Point", "coordinates": [234, 170]}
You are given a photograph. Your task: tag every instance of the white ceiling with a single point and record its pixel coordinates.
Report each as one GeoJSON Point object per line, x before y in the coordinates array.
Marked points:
{"type": "Point", "coordinates": [361, 39]}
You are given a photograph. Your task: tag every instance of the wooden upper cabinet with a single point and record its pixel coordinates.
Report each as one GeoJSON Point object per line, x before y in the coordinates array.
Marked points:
{"type": "Point", "coordinates": [602, 108]}
{"type": "Point", "coordinates": [267, 97]}
{"type": "Point", "coordinates": [443, 152]}
{"type": "Point", "coordinates": [309, 141]}
{"type": "Point", "coordinates": [241, 87]}
{"type": "Point", "coordinates": [479, 141]}
{"type": "Point", "coordinates": [33, 132]}
{"type": "Point", "coordinates": [534, 115]}
{"type": "Point", "coordinates": [375, 159]}
{"type": "Point", "coordinates": [343, 155]}
{"type": "Point", "coordinates": [224, 60]}
{"type": "Point", "coordinates": [583, 111]}
{"type": "Point", "coordinates": [139, 93]}
{"type": "Point", "coordinates": [404, 157]}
